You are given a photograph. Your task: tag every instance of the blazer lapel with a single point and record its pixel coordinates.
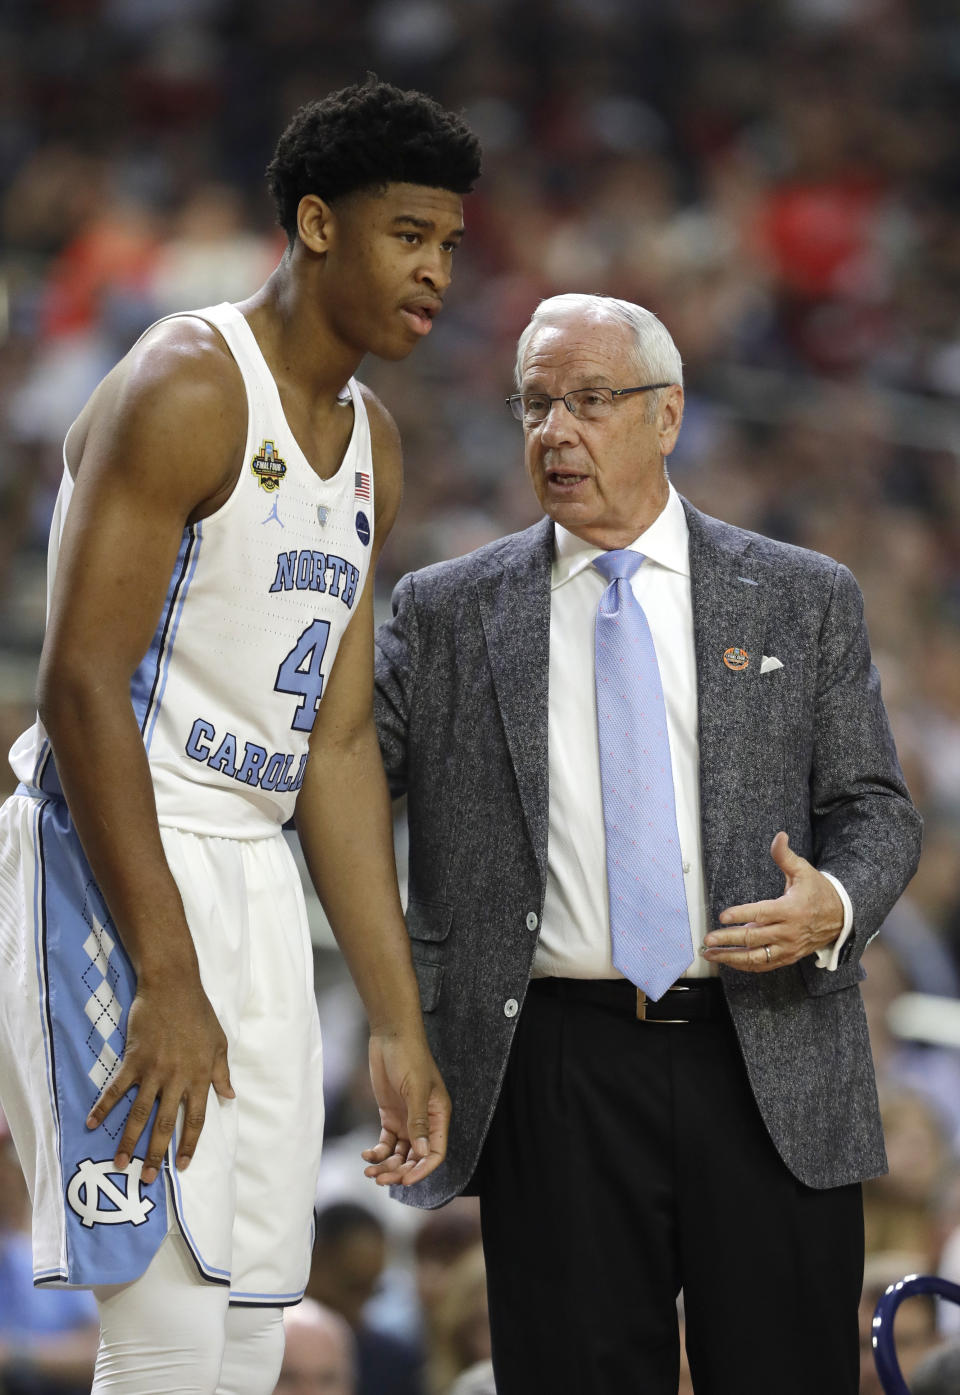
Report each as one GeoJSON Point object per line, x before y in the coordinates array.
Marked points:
{"type": "Point", "coordinates": [729, 622]}
{"type": "Point", "coordinates": [514, 599]}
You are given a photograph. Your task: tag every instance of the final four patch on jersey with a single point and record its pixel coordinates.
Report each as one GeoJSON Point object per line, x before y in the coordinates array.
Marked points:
{"type": "Point", "coordinates": [363, 528]}
{"type": "Point", "coordinates": [268, 467]}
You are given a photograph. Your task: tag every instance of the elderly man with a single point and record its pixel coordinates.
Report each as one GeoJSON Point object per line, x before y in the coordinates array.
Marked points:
{"type": "Point", "coordinates": [655, 816]}
{"type": "Point", "coordinates": [318, 1357]}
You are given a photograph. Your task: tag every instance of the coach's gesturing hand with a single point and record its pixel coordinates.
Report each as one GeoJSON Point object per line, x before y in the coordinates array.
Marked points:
{"type": "Point", "coordinates": [766, 935]}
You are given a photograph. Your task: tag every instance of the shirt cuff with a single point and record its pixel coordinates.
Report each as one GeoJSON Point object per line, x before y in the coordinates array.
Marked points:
{"type": "Point", "coordinates": [829, 956]}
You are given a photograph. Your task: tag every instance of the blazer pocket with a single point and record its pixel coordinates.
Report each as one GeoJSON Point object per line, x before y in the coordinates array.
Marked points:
{"type": "Point", "coordinates": [429, 979]}
{"type": "Point", "coordinates": [428, 920]}
{"type": "Point", "coordinates": [821, 981]}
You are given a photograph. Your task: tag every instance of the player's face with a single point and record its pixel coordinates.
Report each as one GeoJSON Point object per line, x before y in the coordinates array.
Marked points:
{"type": "Point", "coordinates": [599, 479]}
{"type": "Point", "coordinates": [390, 265]}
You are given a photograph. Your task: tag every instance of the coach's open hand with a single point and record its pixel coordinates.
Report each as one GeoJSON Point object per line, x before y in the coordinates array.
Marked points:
{"type": "Point", "coordinates": [807, 917]}
{"type": "Point", "coordinates": [414, 1110]}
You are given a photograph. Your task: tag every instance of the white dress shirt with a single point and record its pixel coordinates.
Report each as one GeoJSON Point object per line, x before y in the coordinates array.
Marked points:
{"type": "Point", "coordinates": [575, 935]}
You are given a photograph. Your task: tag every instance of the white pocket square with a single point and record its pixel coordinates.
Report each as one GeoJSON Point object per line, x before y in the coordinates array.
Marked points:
{"type": "Point", "coordinates": [768, 664]}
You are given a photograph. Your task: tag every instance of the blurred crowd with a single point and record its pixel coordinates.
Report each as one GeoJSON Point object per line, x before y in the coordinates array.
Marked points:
{"type": "Point", "coordinates": [780, 181]}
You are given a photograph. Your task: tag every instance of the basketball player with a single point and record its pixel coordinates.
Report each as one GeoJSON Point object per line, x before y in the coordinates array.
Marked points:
{"type": "Point", "coordinates": [227, 490]}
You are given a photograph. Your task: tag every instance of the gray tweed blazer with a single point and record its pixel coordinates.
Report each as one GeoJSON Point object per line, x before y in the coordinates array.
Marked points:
{"type": "Point", "coordinates": [461, 702]}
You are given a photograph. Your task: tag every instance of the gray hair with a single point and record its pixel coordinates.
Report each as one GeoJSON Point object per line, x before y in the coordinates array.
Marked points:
{"type": "Point", "coordinates": [655, 355]}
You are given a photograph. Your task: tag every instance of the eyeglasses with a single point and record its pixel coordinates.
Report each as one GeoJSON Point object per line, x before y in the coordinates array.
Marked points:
{"type": "Point", "coordinates": [586, 404]}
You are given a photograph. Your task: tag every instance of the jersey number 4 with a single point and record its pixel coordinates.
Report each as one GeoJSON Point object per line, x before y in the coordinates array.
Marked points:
{"type": "Point", "coordinates": [300, 673]}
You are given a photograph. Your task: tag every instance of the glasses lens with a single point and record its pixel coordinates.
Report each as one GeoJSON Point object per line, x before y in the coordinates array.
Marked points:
{"type": "Point", "coordinates": [535, 406]}
{"type": "Point", "coordinates": [590, 404]}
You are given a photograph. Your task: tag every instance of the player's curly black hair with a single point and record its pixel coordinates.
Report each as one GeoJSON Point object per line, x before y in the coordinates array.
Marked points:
{"type": "Point", "coordinates": [365, 137]}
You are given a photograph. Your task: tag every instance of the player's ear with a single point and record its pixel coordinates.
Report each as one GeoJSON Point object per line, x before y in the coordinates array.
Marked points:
{"type": "Point", "coordinates": [315, 222]}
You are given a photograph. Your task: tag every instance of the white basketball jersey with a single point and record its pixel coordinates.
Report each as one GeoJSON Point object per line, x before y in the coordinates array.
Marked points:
{"type": "Point", "coordinates": [260, 596]}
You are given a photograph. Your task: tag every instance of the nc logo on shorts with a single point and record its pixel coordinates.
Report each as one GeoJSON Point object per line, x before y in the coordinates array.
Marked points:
{"type": "Point", "coordinates": [95, 1179]}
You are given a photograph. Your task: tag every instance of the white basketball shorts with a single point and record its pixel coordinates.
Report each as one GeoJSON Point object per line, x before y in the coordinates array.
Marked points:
{"type": "Point", "coordinates": [245, 1204]}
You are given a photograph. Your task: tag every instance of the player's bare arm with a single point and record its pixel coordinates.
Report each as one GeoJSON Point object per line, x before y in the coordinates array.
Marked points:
{"type": "Point", "coordinates": [158, 445]}
{"type": "Point", "coordinates": [348, 844]}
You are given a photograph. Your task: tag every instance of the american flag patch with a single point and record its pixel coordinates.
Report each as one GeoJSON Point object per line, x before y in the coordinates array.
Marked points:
{"type": "Point", "coordinates": [362, 485]}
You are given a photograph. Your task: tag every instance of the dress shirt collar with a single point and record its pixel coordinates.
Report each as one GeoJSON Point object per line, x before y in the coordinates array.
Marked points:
{"type": "Point", "coordinates": [666, 542]}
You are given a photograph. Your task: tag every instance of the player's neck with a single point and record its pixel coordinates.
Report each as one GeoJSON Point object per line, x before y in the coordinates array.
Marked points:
{"type": "Point", "coordinates": [294, 337]}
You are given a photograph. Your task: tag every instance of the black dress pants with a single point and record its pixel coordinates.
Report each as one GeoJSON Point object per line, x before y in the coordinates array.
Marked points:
{"type": "Point", "coordinates": [627, 1160]}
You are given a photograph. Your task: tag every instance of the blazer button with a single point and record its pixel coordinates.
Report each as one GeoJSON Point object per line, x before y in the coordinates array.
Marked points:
{"type": "Point", "coordinates": [532, 920]}
{"type": "Point", "coordinates": [511, 1007]}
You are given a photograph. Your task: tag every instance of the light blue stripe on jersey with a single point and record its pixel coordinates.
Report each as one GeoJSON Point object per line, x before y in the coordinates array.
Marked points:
{"type": "Point", "coordinates": [45, 753]}
{"type": "Point", "coordinates": [114, 1223]}
{"type": "Point", "coordinates": [217, 1276]}
{"type": "Point", "coordinates": [47, 778]}
{"type": "Point", "coordinates": [266, 1300]}
{"type": "Point", "coordinates": [150, 680]}
{"type": "Point", "coordinates": [39, 936]}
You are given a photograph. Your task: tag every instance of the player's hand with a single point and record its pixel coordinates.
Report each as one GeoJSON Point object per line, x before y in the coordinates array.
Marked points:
{"type": "Point", "coordinates": [414, 1110]}
{"type": "Point", "coordinates": [175, 1050]}
{"type": "Point", "coordinates": [768, 935]}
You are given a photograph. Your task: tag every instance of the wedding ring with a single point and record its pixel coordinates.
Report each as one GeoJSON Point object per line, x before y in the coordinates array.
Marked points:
{"type": "Point", "coordinates": [766, 950]}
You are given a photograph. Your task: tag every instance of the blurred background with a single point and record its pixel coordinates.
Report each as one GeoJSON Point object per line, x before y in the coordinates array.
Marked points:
{"type": "Point", "coordinates": [780, 181]}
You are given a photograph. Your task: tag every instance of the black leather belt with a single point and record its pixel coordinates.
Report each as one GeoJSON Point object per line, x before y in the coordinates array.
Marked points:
{"type": "Point", "coordinates": [688, 1000]}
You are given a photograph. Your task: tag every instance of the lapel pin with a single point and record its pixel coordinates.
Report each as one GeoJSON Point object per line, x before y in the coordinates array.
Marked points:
{"type": "Point", "coordinates": [737, 659]}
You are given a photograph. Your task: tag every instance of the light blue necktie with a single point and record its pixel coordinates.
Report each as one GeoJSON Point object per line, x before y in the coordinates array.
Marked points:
{"type": "Point", "coordinates": [649, 925]}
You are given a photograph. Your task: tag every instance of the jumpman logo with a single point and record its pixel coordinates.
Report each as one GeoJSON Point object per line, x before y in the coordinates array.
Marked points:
{"type": "Point", "coordinates": [273, 514]}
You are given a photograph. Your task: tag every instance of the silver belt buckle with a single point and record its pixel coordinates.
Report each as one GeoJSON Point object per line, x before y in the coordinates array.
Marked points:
{"type": "Point", "coordinates": [663, 1021]}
